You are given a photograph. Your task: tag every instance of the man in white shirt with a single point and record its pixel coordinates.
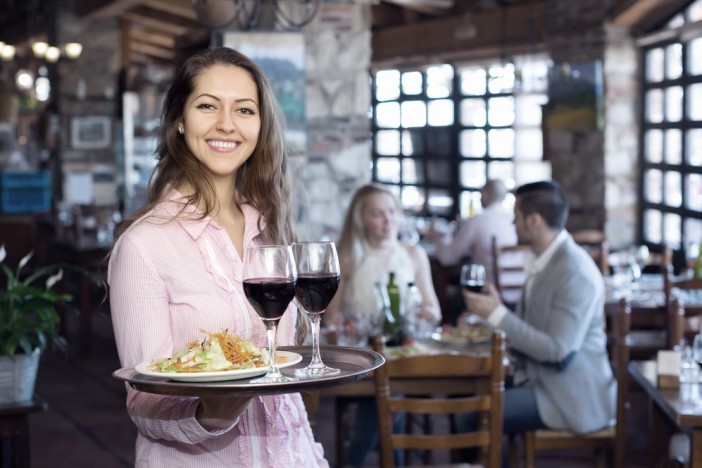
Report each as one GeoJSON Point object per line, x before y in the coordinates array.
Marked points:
{"type": "Point", "coordinates": [473, 239]}
{"type": "Point", "coordinates": [563, 379]}
{"type": "Point", "coordinates": [473, 236]}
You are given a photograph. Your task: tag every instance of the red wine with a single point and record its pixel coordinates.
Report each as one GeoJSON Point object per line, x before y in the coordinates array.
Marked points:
{"type": "Point", "coordinates": [316, 290]}
{"type": "Point", "coordinates": [269, 296]}
{"type": "Point", "coordinates": [474, 286]}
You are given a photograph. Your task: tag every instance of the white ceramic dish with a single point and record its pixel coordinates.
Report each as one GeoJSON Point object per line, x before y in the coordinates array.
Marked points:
{"type": "Point", "coordinates": [284, 358]}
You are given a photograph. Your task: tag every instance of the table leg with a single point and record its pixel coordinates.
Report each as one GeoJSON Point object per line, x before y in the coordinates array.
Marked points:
{"type": "Point", "coordinates": [661, 428]}
{"type": "Point", "coordinates": [696, 449]}
{"type": "Point", "coordinates": [22, 442]}
{"type": "Point", "coordinates": [85, 316]}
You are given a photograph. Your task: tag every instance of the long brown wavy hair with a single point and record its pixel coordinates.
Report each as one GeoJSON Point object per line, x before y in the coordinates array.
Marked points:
{"type": "Point", "coordinates": [262, 180]}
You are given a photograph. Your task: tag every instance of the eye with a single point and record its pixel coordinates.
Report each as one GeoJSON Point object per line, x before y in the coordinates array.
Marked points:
{"type": "Point", "coordinates": [205, 106]}
{"type": "Point", "coordinates": [247, 111]}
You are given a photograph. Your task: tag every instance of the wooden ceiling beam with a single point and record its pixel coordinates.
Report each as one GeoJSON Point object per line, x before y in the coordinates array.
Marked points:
{"type": "Point", "coordinates": [642, 14]}
{"type": "Point", "coordinates": [162, 22]}
{"type": "Point", "coordinates": [149, 37]}
{"type": "Point", "coordinates": [183, 8]}
{"type": "Point", "coordinates": [96, 9]}
{"type": "Point", "coordinates": [447, 35]}
{"type": "Point", "coordinates": [151, 50]}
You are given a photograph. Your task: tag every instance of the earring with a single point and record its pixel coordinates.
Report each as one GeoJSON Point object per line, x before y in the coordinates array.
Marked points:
{"type": "Point", "coordinates": [180, 129]}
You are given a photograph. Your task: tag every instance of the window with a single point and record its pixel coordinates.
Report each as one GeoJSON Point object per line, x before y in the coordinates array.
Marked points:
{"type": "Point", "coordinates": [671, 141]}
{"type": "Point", "coordinates": [440, 131]}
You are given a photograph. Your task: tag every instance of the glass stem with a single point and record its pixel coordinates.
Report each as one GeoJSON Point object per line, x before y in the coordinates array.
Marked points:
{"type": "Point", "coordinates": [316, 361]}
{"type": "Point", "coordinates": [271, 330]}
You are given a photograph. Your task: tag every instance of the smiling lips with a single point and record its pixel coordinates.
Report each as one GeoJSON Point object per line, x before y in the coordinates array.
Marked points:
{"type": "Point", "coordinates": [220, 145]}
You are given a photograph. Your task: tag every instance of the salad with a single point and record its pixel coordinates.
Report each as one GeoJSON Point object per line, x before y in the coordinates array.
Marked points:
{"type": "Point", "coordinates": [217, 352]}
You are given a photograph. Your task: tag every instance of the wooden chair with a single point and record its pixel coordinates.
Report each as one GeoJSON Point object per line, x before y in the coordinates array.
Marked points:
{"type": "Point", "coordinates": [438, 376]}
{"type": "Point", "coordinates": [650, 322]}
{"type": "Point", "coordinates": [613, 437]}
{"type": "Point", "coordinates": [683, 302]}
{"type": "Point", "coordinates": [595, 242]}
{"type": "Point", "coordinates": [508, 271]}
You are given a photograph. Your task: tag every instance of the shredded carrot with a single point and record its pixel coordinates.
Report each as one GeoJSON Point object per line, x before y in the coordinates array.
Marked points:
{"type": "Point", "coordinates": [241, 353]}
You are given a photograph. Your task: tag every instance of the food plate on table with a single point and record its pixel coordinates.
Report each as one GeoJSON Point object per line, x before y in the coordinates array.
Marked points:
{"type": "Point", "coordinates": [464, 334]}
{"type": "Point", "coordinates": [284, 359]}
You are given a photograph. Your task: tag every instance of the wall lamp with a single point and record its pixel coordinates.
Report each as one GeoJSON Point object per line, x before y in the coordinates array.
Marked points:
{"type": "Point", "coordinates": [50, 53]}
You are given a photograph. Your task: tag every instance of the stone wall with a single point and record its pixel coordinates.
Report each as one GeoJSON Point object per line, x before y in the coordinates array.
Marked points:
{"type": "Point", "coordinates": [597, 166]}
{"type": "Point", "coordinates": [621, 137]}
{"type": "Point", "coordinates": [338, 127]}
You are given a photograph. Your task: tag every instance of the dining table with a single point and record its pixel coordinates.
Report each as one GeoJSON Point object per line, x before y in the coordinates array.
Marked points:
{"type": "Point", "coordinates": [672, 410]}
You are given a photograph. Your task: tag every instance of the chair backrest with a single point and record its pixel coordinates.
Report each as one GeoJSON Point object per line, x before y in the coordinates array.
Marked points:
{"type": "Point", "coordinates": [684, 306]}
{"type": "Point", "coordinates": [620, 362]}
{"type": "Point", "coordinates": [404, 383]}
{"type": "Point", "coordinates": [508, 271]}
{"type": "Point", "coordinates": [595, 242]}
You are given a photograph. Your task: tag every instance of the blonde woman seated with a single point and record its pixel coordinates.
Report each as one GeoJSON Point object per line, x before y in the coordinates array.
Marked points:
{"type": "Point", "coordinates": [368, 251]}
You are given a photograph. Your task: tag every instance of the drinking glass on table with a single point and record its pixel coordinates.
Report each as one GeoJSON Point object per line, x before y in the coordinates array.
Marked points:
{"type": "Point", "coordinates": [638, 258]}
{"type": "Point", "coordinates": [318, 279]}
{"type": "Point", "coordinates": [269, 285]}
{"type": "Point", "coordinates": [473, 277]}
{"type": "Point", "coordinates": [697, 351]}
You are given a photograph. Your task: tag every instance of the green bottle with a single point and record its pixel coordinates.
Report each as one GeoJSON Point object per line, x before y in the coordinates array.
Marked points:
{"type": "Point", "coordinates": [392, 329]}
{"type": "Point", "coordinates": [698, 264]}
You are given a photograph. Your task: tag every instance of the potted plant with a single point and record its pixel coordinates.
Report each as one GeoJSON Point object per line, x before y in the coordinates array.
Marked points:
{"type": "Point", "coordinates": [29, 321]}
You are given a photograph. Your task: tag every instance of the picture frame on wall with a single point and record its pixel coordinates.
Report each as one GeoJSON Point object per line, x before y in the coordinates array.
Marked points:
{"type": "Point", "coordinates": [91, 132]}
{"type": "Point", "coordinates": [281, 57]}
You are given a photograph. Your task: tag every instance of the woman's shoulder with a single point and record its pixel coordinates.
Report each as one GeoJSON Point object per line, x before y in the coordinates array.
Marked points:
{"type": "Point", "coordinates": [415, 251]}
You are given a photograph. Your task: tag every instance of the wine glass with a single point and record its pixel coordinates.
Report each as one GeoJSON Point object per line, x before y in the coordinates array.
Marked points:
{"type": "Point", "coordinates": [697, 351]}
{"type": "Point", "coordinates": [269, 285]}
{"type": "Point", "coordinates": [473, 277]}
{"type": "Point", "coordinates": [638, 258]}
{"type": "Point", "coordinates": [318, 279]}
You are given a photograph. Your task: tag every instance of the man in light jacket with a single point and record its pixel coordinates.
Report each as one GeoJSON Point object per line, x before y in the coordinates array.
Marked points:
{"type": "Point", "coordinates": [563, 378]}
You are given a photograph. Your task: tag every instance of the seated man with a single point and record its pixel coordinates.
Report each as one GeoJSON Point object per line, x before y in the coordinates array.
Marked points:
{"type": "Point", "coordinates": [473, 236]}
{"type": "Point", "coordinates": [473, 239]}
{"type": "Point", "coordinates": [563, 378]}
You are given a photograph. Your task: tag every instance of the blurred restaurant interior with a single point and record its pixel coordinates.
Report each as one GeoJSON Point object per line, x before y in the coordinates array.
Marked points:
{"type": "Point", "coordinates": [430, 97]}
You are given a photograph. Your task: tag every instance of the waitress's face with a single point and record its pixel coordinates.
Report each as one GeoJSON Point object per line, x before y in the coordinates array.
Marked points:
{"type": "Point", "coordinates": [221, 119]}
{"type": "Point", "coordinates": [380, 217]}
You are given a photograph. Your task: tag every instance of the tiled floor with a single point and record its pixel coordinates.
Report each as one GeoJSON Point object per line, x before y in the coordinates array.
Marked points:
{"type": "Point", "coordinates": [86, 425]}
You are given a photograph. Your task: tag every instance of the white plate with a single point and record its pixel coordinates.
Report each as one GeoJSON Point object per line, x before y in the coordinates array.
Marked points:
{"type": "Point", "coordinates": [284, 358]}
{"type": "Point", "coordinates": [445, 338]}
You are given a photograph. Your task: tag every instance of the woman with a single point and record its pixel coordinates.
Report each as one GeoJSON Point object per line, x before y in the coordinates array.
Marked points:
{"type": "Point", "coordinates": [368, 251]}
{"type": "Point", "coordinates": [220, 185]}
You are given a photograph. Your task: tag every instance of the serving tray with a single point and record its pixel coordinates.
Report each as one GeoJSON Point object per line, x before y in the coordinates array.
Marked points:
{"type": "Point", "coordinates": [355, 363]}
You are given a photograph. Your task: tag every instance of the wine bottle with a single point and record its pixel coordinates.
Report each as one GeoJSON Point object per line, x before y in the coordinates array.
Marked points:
{"type": "Point", "coordinates": [393, 325]}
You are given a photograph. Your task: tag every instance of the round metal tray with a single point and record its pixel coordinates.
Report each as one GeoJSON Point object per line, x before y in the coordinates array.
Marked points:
{"type": "Point", "coordinates": [355, 363]}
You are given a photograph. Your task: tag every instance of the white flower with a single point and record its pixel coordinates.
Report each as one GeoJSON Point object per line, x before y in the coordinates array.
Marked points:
{"type": "Point", "coordinates": [52, 280]}
{"type": "Point", "coordinates": [3, 253]}
{"type": "Point", "coordinates": [25, 260]}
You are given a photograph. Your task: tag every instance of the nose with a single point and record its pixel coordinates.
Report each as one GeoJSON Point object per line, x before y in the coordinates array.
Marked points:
{"type": "Point", "coordinates": [225, 122]}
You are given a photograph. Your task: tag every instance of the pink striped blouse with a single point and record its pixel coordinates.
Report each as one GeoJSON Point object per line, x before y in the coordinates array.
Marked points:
{"type": "Point", "coordinates": [168, 280]}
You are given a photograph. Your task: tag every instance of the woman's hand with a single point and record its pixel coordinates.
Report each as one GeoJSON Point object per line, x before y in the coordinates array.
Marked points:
{"type": "Point", "coordinates": [484, 303]}
{"type": "Point", "coordinates": [220, 413]}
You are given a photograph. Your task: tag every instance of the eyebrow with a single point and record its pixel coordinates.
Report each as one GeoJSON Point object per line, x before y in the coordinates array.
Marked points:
{"type": "Point", "coordinates": [253, 101]}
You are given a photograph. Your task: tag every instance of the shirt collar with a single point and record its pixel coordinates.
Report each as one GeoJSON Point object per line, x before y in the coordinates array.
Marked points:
{"type": "Point", "coordinates": [534, 265]}
{"type": "Point", "coordinates": [194, 224]}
